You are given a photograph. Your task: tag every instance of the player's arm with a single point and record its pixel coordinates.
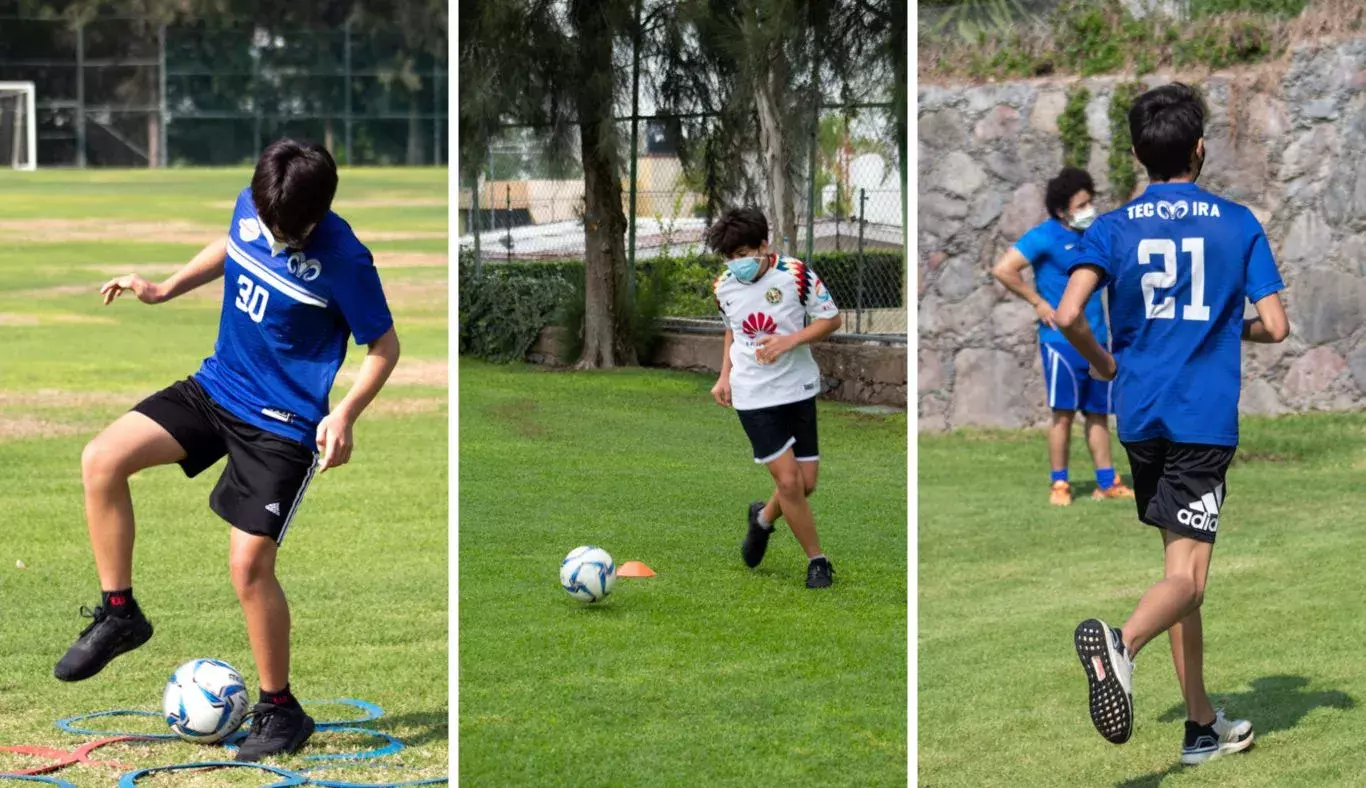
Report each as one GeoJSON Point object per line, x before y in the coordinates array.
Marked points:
{"type": "Point", "coordinates": [1071, 320]}
{"type": "Point", "coordinates": [1009, 271]}
{"type": "Point", "coordinates": [1270, 325]}
{"type": "Point", "coordinates": [721, 391]}
{"type": "Point", "coordinates": [202, 269]}
{"type": "Point", "coordinates": [334, 432]}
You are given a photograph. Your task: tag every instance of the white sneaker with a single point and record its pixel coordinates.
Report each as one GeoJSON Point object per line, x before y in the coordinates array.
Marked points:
{"type": "Point", "coordinates": [1109, 673]}
{"type": "Point", "coordinates": [1222, 737]}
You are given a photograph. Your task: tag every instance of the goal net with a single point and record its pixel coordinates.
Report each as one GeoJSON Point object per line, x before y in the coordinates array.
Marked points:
{"type": "Point", "coordinates": [18, 126]}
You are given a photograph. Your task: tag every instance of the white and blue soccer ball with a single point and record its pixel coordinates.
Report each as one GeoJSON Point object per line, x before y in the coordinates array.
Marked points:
{"type": "Point", "coordinates": [205, 701]}
{"type": "Point", "coordinates": [588, 573]}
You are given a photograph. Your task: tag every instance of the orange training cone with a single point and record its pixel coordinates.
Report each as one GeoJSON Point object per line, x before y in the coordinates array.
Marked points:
{"type": "Point", "coordinates": [634, 569]}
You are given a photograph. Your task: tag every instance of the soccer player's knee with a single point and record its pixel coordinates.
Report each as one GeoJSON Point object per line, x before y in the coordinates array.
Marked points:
{"type": "Point", "coordinates": [100, 461]}
{"type": "Point", "coordinates": [809, 486]}
{"type": "Point", "coordinates": [790, 483]}
{"type": "Point", "coordinates": [249, 571]}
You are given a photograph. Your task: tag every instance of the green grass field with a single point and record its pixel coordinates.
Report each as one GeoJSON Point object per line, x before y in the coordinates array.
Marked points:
{"type": "Point", "coordinates": [1004, 579]}
{"type": "Point", "coordinates": [708, 673]}
{"type": "Point", "coordinates": [365, 565]}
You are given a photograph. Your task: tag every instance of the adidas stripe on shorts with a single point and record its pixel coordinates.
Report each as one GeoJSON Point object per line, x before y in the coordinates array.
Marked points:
{"type": "Point", "coordinates": [1180, 486]}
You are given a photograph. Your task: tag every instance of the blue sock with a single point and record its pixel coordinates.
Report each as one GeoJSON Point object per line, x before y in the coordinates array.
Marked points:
{"type": "Point", "coordinates": [1105, 477]}
{"type": "Point", "coordinates": [1059, 476]}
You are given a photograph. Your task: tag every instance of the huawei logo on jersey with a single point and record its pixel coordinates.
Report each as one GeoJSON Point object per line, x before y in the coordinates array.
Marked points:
{"type": "Point", "coordinates": [758, 324]}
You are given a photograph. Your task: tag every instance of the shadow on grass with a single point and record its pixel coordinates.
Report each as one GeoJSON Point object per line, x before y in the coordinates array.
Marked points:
{"type": "Point", "coordinates": [1275, 703]}
{"type": "Point", "coordinates": [425, 726]}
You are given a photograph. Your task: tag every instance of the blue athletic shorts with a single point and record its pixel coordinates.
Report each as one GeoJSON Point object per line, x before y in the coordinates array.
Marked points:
{"type": "Point", "coordinates": [1067, 378]}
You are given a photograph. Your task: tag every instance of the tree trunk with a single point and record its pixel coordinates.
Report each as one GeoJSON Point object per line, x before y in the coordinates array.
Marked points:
{"type": "Point", "coordinates": [776, 158]}
{"type": "Point", "coordinates": [606, 317]}
{"type": "Point", "coordinates": [414, 133]}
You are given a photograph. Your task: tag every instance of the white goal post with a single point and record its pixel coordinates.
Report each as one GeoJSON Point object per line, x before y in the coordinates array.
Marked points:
{"type": "Point", "coordinates": [18, 126]}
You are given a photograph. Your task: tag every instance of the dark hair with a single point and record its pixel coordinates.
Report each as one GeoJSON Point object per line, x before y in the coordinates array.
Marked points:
{"type": "Point", "coordinates": [293, 187]}
{"type": "Point", "coordinates": [737, 228]}
{"type": "Point", "coordinates": [1063, 188]}
{"type": "Point", "coordinates": [1165, 124]}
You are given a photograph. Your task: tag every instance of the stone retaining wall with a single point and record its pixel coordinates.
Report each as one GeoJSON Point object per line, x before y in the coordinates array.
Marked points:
{"type": "Point", "coordinates": [863, 373]}
{"type": "Point", "coordinates": [1288, 140]}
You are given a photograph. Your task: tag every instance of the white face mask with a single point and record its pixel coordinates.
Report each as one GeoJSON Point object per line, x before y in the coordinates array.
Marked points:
{"type": "Point", "coordinates": [1083, 218]}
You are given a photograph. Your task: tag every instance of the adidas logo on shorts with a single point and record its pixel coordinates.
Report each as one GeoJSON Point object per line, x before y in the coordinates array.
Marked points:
{"type": "Point", "coordinates": [273, 508]}
{"type": "Point", "coordinates": [1203, 515]}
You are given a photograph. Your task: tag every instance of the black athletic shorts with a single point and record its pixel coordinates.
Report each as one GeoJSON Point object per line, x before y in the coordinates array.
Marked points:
{"type": "Point", "coordinates": [266, 475]}
{"type": "Point", "coordinates": [774, 430]}
{"type": "Point", "coordinates": [1180, 486]}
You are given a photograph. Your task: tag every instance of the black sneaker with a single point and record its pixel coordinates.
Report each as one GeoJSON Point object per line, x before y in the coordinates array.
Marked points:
{"type": "Point", "coordinates": [274, 730]}
{"type": "Point", "coordinates": [107, 637]}
{"type": "Point", "coordinates": [756, 539]}
{"type": "Point", "coordinates": [1221, 737]}
{"type": "Point", "coordinates": [819, 573]}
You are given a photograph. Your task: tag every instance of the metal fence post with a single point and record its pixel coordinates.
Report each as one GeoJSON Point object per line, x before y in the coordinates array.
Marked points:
{"type": "Point", "coordinates": [476, 222]}
{"type": "Point", "coordinates": [635, 156]}
{"type": "Point", "coordinates": [80, 95]}
{"type": "Point", "coordinates": [508, 217]}
{"type": "Point", "coordinates": [436, 114]}
{"type": "Point", "coordinates": [862, 221]}
{"type": "Point", "coordinates": [346, 83]}
{"type": "Point", "coordinates": [165, 157]}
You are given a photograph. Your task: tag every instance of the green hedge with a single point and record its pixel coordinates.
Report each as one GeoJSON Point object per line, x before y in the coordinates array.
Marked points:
{"type": "Point", "coordinates": [504, 308]}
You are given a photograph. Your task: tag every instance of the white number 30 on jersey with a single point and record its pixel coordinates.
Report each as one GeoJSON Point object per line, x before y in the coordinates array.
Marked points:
{"type": "Point", "coordinates": [252, 298]}
{"type": "Point", "coordinates": [1165, 248]}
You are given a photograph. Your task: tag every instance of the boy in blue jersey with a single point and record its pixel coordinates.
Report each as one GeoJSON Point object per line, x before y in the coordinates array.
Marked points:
{"type": "Point", "coordinates": [1050, 248]}
{"type": "Point", "coordinates": [297, 283]}
{"type": "Point", "coordinates": [1180, 265]}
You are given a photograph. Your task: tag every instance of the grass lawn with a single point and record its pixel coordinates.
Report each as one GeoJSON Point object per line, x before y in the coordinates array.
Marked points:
{"type": "Point", "coordinates": [1004, 579]}
{"type": "Point", "coordinates": [365, 564]}
{"type": "Point", "coordinates": [709, 673]}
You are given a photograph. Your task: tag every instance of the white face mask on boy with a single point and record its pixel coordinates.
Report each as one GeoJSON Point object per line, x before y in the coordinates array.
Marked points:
{"type": "Point", "coordinates": [1083, 218]}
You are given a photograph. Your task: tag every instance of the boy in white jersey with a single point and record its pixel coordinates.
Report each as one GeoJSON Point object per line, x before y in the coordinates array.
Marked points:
{"type": "Point", "coordinates": [770, 377]}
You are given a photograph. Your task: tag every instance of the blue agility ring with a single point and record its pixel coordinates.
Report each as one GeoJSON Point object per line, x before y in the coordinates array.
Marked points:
{"type": "Point", "coordinates": [69, 726]}
{"type": "Point", "coordinates": [34, 778]}
{"type": "Point", "coordinates": [372, 712]}
{"type": "Point", "coordinates": [392, 745]}
{"type": "Point", "coordinates": [339, 784]}
{"type": "Point", "coordinates": [130, 780]}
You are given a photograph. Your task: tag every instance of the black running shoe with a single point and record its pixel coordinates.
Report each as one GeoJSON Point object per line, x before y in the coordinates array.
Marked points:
{"type": "Point", "coordinates": [756, 539]}
{"type": "Point", "coordinates": [1219, 738]}
{"type": "Point", "coordinates": [1109, 674]}
{"type": "Point", "coordinates": [819, 573]}
{"type": "Point", "coordinates": [107, 637]}
{"type": "Point", "coordinates": [274, 730]}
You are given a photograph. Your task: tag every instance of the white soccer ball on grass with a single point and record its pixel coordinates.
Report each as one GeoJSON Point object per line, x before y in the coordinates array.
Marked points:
{"type": "Point", "coordinates": [205, 701]}
{"type": "Point", "coordinates": [588, 573]}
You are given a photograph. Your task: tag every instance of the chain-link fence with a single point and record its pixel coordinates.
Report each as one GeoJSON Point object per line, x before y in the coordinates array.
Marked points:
{"type": "Point", "coordinates": [528, 205]}
{"type": "Point", "coordinates": [116, 91]}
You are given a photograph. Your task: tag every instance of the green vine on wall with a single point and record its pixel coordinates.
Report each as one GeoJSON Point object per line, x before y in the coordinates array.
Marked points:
{"type": "Point", "coordinates": [1076, 140]}
{"type": "Point", "coordinates": [1123, 176]}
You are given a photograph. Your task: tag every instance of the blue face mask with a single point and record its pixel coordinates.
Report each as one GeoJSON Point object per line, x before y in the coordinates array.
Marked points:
{"type": "Point", "coordinates": [746, 269]}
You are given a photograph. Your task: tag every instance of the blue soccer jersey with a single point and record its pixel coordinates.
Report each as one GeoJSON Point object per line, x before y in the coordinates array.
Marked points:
{"type": "Point", "coordinates": [287, 316]}
{"type": "Point", "coordinates": [1180, 264]}
{"type": "Point", "coordinates": [1051, 249]}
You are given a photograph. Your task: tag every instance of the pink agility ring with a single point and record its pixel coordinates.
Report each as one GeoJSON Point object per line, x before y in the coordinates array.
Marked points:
{"type": "Point", "coordinates": [64, 758]}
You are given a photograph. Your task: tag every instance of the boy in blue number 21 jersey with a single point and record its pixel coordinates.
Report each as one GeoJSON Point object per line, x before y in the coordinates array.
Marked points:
{"type": "Point", "coordinates": [297, 286]}
{"type": "Point", "coordinates": [1179, 264]}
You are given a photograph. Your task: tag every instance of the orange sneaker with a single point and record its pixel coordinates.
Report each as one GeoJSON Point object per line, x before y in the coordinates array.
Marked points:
{"type": "Point", "coordinates": [1115, 493]}
{"type": "Point", "coordinates": [1061, 494]}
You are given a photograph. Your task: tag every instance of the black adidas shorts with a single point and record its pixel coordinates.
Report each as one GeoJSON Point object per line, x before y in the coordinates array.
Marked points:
{"type": "Point", "coordinates": [1180, 486]}
{"type": "Point", "coordinates": [774, 430]}
{"type": "Point", "coordinates": [266, 475]}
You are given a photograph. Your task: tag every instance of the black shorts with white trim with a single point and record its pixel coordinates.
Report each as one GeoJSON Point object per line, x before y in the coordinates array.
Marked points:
{"type": "Point", "coordinates": [776, 429]}
{"type": "Point", "coordinates": [1180, 487]}
{"type": "Point", "coordinates": [266, 475]}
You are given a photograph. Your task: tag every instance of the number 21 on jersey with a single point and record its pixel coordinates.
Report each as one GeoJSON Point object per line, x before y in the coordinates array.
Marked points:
{"type": "Point", "coordinates": [252, 298]}
{"type": "Point", "coordinates": [1152, 249]}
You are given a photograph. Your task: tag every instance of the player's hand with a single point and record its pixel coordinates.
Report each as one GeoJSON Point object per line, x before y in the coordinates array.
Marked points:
{"type": "Point", "coordinates": [1107, 372]}
{"type": "Point", "coordinates": [721, 391]}
{"type": "Point", "coordinates": [334, 441]}
{"type": "Point", "coordinates": [147, 292]}
{"type": "Point", "coordinates": [773, 346]}
{"type": "Point", "coordinates": [1045, 313]}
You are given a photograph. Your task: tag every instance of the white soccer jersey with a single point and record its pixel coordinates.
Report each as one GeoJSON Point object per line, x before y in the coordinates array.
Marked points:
{"type": "Point", "coordinates": [778, 303]}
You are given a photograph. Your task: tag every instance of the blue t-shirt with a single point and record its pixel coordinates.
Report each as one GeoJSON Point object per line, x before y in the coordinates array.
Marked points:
{"type": "Point", "coordinates": [1180, 263]}
{"type": "Point", "coordinates": [286, 318]}
{"type": "Point", "coordinates": [1051, 249]}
